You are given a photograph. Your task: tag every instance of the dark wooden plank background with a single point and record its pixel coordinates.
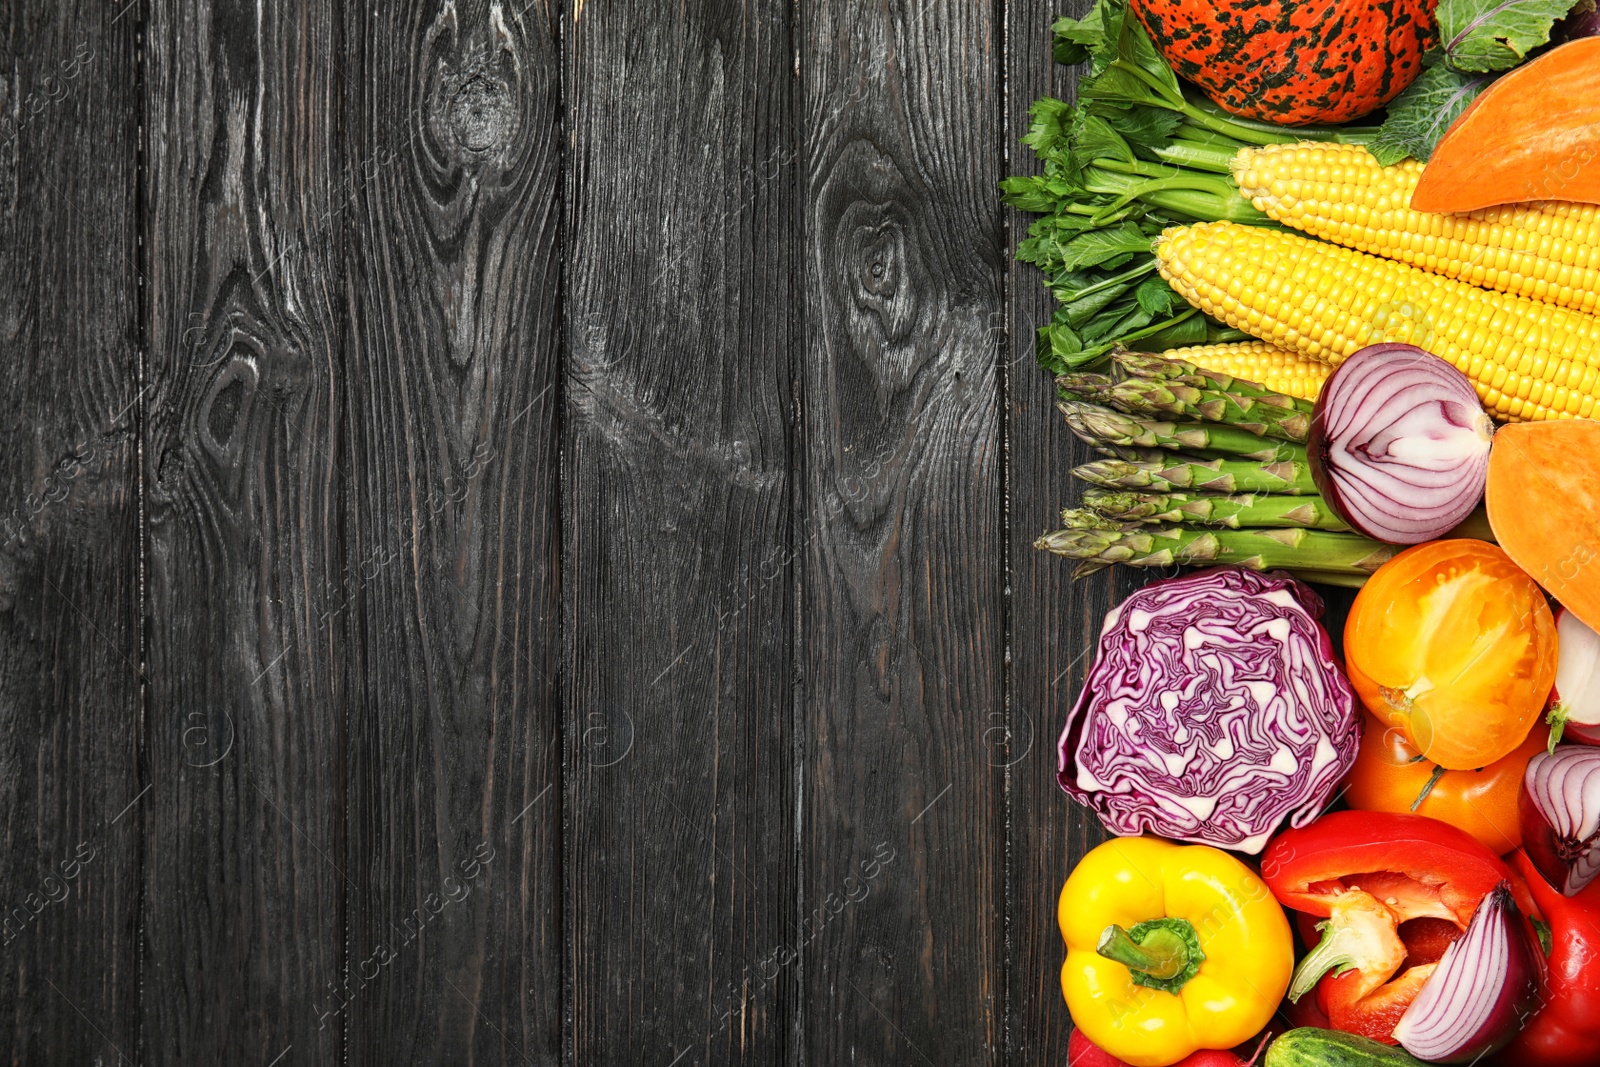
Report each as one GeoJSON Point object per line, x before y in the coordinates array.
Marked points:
{"type": "Point", "coordinates": [515, 536]}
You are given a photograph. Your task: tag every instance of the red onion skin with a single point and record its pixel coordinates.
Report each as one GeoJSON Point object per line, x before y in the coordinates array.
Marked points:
{"type": "Point", "coordinates": [1519, 997]}
{"type": "Point", "coordinates": [1319, 453]}
{"type": "Point", "coordinates": [1580, 733]}
{"type": "Point", "coordinates": [1574, 732]}
{"type": "Point", "coordinates": [1571, 729]}
{"type": "Point", "coordinates": [1540, 841]}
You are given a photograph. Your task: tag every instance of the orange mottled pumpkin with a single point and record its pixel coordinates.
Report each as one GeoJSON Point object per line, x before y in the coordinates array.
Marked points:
{"type": "Point", "coordinates": [1293, 62]}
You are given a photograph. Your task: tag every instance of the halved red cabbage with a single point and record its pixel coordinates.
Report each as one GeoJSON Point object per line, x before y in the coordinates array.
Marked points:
{"type": "Point", "coordinates": [1214, 711]}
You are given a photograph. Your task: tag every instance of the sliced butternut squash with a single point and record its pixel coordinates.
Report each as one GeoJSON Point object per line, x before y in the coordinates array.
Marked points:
{"type": "Point", "coordinates": [1543, 499]}
{"type": "Point", "coordinates": [1532, 135]}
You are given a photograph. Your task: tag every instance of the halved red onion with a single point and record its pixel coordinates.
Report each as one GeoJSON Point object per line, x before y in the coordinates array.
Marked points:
{"type": "Point", "coordinates": [1399, 444]}
{"type": "Point", "coordinates": [1575, 704]}
{"type": "Point", "coordinates": [1486, 985]}
{"type": "Point", "coordinates": [1559, 810]}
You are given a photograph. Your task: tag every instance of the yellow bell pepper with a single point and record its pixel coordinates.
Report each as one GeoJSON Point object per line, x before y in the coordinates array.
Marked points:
{"type": "Point", "coordinates": [1170, 949]}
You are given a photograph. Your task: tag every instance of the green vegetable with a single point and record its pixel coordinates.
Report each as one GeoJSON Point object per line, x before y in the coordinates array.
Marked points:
{"type": "Point", "coordinates": [1485, 35]}
{"type": "Point", "coordinates": [1312, 1047]}
{"type": "Point", "coordinates": [1262, 415]}
{"type": "Point", "coordinates": [1135, 454]}
{"type": "Point", "coordinates": [1104, 207]}
{"type": "Point", "coordinates": [1105, 427]}
{"type": "Point", "coordinates": [1177, 472]}
{"type": "Point", "coordinates": [1205, 509]}
{"type": "Point", "coordinates": [1135, 156]}
{"type": "Point", "coordinates": [1085, 519]}
{"type": "Point", "coordinates": [1419, 117]}
{"type": "Point", "coordinates": [1261, 550]}
{"type": "Point", "coordinates": [1166, 369]}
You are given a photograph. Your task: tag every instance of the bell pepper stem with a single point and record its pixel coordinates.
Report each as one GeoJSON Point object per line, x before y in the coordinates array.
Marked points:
{"type": "Point", "coordinates": [1159, 953]}
{"type": "Point", "coordinates": [1330, 954]}
{"type": "Point", "coordinates": [1163, 954]}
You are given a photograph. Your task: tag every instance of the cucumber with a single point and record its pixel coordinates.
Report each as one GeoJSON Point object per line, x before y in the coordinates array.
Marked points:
{"type": "Point", "coordinates": [1312, 1047]}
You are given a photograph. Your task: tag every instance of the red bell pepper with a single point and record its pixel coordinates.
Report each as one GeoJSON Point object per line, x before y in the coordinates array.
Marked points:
{"type": "Point", "coordinates": [1367, 872]}
{"type": "Point", "coordinates": [1565, 1032]}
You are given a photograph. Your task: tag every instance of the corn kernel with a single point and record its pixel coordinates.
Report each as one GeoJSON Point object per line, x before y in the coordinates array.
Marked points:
{"type": "Point", "coordinates": [1325, 302]}
{"type": "Point", "coordinates": [1547, 250]}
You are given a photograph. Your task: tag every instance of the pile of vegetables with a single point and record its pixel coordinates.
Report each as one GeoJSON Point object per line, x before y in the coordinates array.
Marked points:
{"type": "Point", "coordinates": [1378, 845]}
{"type": "Point", "coordinates": [1140, 156]}
{"type": "Point", "coordinates": [1200, 467]}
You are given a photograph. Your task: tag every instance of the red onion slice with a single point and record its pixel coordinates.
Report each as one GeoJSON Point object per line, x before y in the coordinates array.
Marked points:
{"type": "Point", "coordinates": [1399, 444]}
{"type": "Point", "coordinates": [1486, 984]}
{"type": "Point", "coordinates": [1560, 815]}
{"type": "Point", "coordinates": [1575, 714]}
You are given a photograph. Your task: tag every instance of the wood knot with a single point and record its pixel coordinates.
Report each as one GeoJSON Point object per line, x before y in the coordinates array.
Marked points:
{"type": "Point", "coordinates": [874, 248]}
{"type": "Point", "coordinates": [227, 405]}
{"type": "Point", "coordinates": [481, 115]}
{"type": "Point", "coordinates": [473, 78]}
{"type": "Point", "coordinates": [882, 255]}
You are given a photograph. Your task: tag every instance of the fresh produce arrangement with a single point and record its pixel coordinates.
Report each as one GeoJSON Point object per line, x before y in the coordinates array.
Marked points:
{"type": "Point", "coordinates": [1327, 282]}
{"type": "Point", "coordinates": [1201, 467]}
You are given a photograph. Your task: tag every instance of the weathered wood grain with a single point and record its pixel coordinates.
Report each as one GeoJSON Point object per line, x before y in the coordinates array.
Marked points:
{"type": "Point", "coordinates": [243, 822]}
{"type": "Point", "coordinates": [902, 592]}
{"type": "Point", "coordinates": [680, 313]}
{"type": "Point", "coordinates": [583, 474]}
{"type": "Point", "coordinates": [453, 123]}
{"type": "Point", "coordinates": [1055, 621]}
{"type": "Point", "coordinates": [69, 535]}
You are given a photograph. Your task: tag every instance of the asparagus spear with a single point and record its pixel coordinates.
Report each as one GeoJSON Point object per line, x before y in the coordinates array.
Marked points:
{"type": "Point", "coordinates": [1081, 386]}
{"type": "Point", "coordinates": [1210, 475]}
{"type": "Point", "coordinates": [1134, 454]}
{"type": "Point", "coordinates": [1349, 581]}
{"type": "Point", "coordinates": [1085, 519]}
{"type": "Point", "coordinates": [1162, 546]}
{"type": "Point", "coordinates": [1262, 416]}
{"type": "Point", "coordinates": [1234, 512]}
{"type": "Point", "coordinates": [1163, 368]}
{"type": "Point", "coordinates": [1103, 427]}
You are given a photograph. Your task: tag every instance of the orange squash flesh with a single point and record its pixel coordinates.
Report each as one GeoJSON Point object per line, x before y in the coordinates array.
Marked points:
{"type": "Point", "coordinates": [1543, 499]}
{"type": "Point", "coordinates": [1532, 135]}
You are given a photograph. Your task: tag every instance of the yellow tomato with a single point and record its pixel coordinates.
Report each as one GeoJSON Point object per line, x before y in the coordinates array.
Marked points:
{"type": "Point", "coordinates": [1453, 644]}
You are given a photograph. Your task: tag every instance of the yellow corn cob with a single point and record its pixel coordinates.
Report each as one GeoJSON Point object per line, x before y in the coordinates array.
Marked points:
{"type": "Point", "coordinates": [1278, 369]}
{"type": "Point", "coordinates": [1527, 359]}
{"type": "Point", "coordinates": [1338, 192]}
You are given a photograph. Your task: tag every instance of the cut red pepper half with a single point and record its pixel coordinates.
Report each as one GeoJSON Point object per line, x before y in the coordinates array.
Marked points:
{"type": "Point", "coordinates": [1365, 873]}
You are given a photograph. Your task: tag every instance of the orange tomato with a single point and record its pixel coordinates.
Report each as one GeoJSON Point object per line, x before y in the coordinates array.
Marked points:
{"type": "Point", "coordinates": [1453, 644]}
{"type": "Point", "coordinates": [1389, 776]}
